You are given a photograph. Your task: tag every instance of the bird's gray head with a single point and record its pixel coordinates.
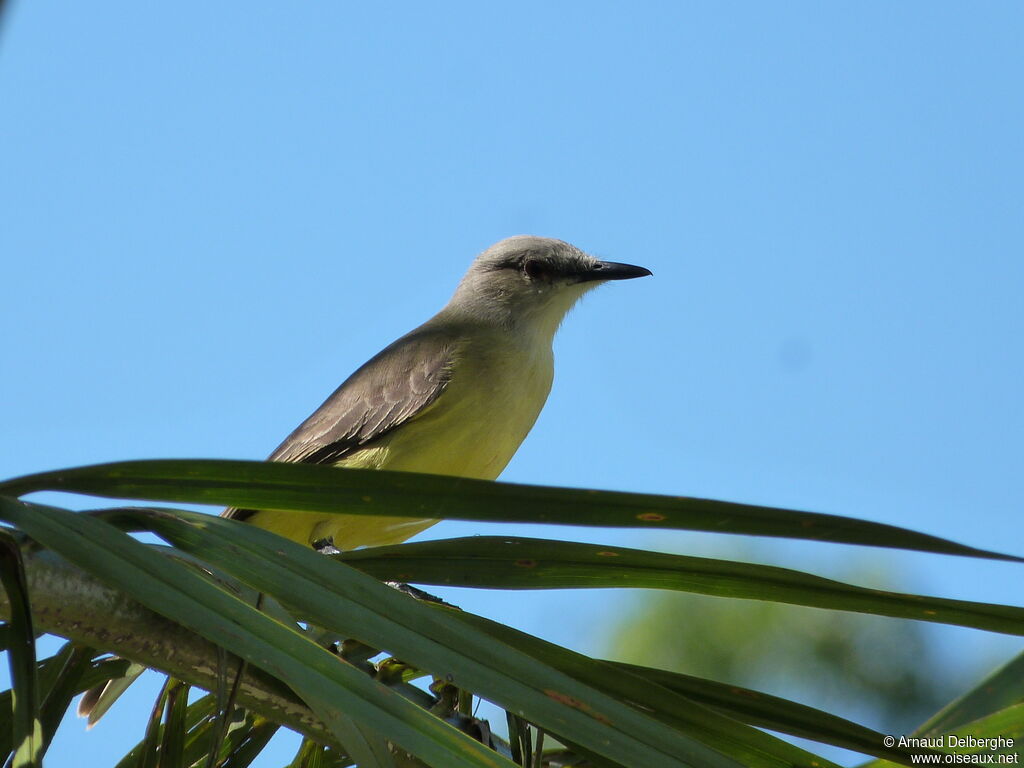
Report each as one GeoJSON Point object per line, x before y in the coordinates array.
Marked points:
{"type": "Point", "coordinates": [529, 281]}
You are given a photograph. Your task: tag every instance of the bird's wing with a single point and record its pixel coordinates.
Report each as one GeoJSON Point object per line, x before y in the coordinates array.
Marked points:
{"type": "Point", "coordinates": [393, 387]}
{"type": "Point", "coordinates": [389, 390]}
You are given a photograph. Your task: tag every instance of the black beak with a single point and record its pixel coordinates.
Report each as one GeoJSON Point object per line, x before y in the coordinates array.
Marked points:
{"type": "Point", "coordinates": [610, 270]}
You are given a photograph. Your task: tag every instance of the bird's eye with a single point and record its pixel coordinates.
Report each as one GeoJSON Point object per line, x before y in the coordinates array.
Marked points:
{"type": "Point", "coordinates": [533, 268]}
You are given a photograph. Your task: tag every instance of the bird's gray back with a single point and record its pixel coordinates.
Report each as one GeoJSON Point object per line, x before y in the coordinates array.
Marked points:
{"type": "Point", "coordinates": [393, 387]}
{"type": "Point", "coordinates": [389, 389]}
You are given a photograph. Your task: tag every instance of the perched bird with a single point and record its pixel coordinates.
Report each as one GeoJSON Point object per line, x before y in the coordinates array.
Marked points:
{"type": "Point", "coordinates": [455, 396]}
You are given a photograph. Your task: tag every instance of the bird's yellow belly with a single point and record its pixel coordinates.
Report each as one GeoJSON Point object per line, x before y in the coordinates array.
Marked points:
{"type": "Point", "coordinates": [472, 430]}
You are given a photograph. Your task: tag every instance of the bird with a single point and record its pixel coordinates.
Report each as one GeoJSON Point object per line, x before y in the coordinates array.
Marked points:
{"type": "Point", "coordinates": [455, 396]}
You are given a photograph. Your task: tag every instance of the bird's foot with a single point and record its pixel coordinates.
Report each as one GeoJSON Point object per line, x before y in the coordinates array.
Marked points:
{"type": "Point", "coordinates": [419, 594]}
{"type": "Point", "coordinates": [326, 546]}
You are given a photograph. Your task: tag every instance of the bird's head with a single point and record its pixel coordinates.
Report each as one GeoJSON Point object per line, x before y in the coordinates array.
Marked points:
{"type": "Point", "coordinates": [532, 282]}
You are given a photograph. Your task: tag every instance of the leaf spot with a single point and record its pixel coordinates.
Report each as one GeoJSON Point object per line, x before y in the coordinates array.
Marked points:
{"type": "Point", "coordinates": [569, 701]}
{"type": "Point", "coordinates": [650, 517]}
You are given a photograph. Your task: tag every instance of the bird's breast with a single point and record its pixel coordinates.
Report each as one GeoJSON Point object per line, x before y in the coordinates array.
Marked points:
{"type": "Point", "coordinates": [494, 394]}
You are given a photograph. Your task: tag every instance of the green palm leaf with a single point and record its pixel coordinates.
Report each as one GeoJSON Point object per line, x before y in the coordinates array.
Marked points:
{"type": "Point", "coordinates": [613, 714]}
{"type": "Point", "coordinates": [315, 488]}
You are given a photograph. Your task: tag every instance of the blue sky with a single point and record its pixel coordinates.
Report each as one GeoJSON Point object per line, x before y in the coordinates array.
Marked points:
{"type": "Point", "coordinates": [212, 213]}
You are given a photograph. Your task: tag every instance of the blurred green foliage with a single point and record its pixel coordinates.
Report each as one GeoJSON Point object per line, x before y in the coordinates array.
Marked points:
{"type": "Point", "coordinates": [885, 673]}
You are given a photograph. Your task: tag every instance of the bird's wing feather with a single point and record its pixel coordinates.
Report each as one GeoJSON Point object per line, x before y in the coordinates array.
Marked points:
{"type": "Point", "coordinates": [389, 390]}
{"type": "Point", "coordinates": [392, 388]}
